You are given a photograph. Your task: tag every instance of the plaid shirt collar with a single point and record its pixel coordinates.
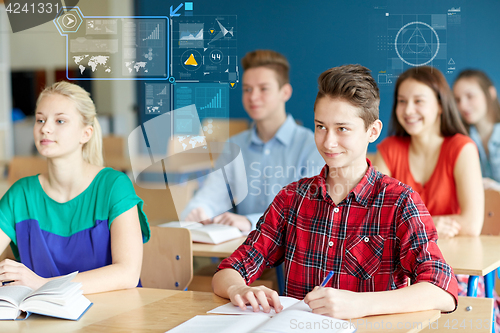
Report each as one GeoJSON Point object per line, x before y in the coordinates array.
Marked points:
{"type": "Point", "coordinates": [361, 192]}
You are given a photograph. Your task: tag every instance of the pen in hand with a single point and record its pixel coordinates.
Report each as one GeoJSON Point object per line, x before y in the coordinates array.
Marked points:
{"type": "Point", "coordinates": [326, 279]}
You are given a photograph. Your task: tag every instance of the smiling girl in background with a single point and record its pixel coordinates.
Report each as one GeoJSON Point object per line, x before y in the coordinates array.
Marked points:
{"type": "Point", "coordinates": [79, 216]}
{"type": "Point", "coordinates": [430, 151]}
{"type": "Point", "coordinates": [477, 101]}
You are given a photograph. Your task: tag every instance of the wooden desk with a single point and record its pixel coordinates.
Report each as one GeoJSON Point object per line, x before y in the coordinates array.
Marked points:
{"type": "Point", "coordinates": [222, 250]}
{"type": "Point", "coordinates": [157, 310]}
{"type": "Point", "coordinates": [471, 255]}
{"type": "Point", "coordinates": [475, 256]}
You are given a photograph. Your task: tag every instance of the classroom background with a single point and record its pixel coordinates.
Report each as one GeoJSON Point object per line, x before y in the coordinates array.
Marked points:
{"type": "Point", "coordinates": [313, 36]}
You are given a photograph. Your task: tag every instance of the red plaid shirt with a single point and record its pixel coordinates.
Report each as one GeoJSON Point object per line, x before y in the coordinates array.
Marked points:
{"type": "Point", "coordinates": [380, 235]}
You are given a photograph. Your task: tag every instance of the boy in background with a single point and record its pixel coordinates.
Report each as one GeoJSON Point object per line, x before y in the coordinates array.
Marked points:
{"type": "Point", "coordinates": [276, 150]}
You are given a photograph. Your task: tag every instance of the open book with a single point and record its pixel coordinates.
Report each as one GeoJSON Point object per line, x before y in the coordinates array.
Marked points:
{"type": "Point", "coordinates": [295, 317]}
{"type": "Point", "coordinates": [207, 233]}
{"type": "Point", "coordinates": [59, 298]}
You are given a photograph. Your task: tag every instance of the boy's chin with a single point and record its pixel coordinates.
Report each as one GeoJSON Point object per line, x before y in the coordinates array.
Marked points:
{"type": "Point", "coordinates": [345, 163]}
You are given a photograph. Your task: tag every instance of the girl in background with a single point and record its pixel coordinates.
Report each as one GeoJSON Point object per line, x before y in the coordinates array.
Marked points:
{"type": "Point", "coordinates": [477, 101]}
{"type": "Point", "coordinates": [78, 216]}
{"type": "Point", "coordinates": [429, 150]}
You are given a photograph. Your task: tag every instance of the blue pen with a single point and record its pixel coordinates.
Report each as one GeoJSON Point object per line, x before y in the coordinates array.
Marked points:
{"type": "Point", "coordinates": [327, 278]}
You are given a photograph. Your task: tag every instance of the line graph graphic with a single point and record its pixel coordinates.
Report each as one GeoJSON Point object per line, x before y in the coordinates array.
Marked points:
{"type": "Point", "coordinates": [191, 35]}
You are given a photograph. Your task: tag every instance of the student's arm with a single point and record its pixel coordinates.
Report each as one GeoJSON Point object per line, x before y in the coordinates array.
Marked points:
{"type": "Point", "coordinates": [263, 248]}
{"type": "Point", "coordinates": [470, 193]}
{"type": "Point", "coordinates": [343, 304]}
{"type": "Point", "coordinates": [380, 165]}
{"type": "Point", "coordinates": [228, 283]}
{"type": "Point", "coordinates": [126, 252]}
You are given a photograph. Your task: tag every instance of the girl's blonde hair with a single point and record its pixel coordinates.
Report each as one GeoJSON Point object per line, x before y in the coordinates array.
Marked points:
{"type": "Point", "coordinates": [92, 150]}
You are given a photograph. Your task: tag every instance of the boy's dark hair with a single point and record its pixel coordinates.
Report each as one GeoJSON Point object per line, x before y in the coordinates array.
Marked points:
{"type": "Point", "coordinates": [355, 85]}
{"type": "Point", "coordinates": [269, 59]}
{"type": "Point", "coordinates": [451, 123]}
{"type": "Point", "coordinates": [484, 83]}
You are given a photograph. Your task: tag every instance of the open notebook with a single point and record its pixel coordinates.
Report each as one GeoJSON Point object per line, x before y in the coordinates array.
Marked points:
{"type": "Point", "coordinates": [207, 233]}
{"type": "Point", "coordinates": [295, 317]}
{"type": "Point", "coordinates": [59, 298]}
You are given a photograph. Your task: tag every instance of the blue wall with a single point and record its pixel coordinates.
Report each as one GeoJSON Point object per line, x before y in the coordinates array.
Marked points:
{"type": "Point", "coordinates": [317, 35]}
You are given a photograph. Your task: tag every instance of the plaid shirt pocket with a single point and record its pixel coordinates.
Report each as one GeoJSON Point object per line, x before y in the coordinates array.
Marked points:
{"type": "Point", "coordinates": [363, 255]}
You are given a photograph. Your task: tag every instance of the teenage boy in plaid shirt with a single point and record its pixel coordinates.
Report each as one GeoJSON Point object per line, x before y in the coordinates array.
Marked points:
{"type": "Point", "coordinates": [372, 231]}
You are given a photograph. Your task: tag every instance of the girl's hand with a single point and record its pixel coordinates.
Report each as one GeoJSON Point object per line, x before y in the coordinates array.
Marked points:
{"type": "Point", "coordinates": [446, 226]}
{"type": "Point", "coordinates": [20, 275]}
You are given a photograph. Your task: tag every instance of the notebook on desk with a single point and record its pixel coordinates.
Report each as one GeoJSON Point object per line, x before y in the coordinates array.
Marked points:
{"type": "Point", "coordinates": [296, 317]}
{"type": "Point", "coordinates": [207, 233]}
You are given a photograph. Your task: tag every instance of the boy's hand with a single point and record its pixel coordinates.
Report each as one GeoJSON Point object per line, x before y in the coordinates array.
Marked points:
{"type": "Point", "coordinates": [20, 275]}
{"type": "Point", "coordinates": [255, 296]}
{"type": "Point", "coordinates": [238, 221]}
{"type": "Point", "coordinates": [446, 226]}
{"type": "Point", "coordinates": [340, 304]}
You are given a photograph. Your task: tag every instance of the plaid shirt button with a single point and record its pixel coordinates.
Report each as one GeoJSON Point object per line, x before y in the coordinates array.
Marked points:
{"type": "Point", "coordinates": [366, 239]}
{"type": "Point", "coordinates": [330, 243]}
{"type": "Point", "coordinates": [336, 210]}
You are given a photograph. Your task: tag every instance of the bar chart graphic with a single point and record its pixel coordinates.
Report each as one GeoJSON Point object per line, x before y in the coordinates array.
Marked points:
{"type": "Point", "coordinates": [155, 34]}
{"type": "Point", "coordinates": [215, 103]}
{"type": "Point", "coordinates": [151, 34]}
{"type": "Point", "coordinates": [211, 101]}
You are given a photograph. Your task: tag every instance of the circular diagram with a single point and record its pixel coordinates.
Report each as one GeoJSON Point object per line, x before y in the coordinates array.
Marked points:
{"type": "Point", "coordinates": [417, 43]}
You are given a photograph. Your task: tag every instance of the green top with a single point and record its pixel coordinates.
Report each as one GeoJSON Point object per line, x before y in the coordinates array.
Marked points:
{"type": "Point", "coordinates": [79, 227]}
